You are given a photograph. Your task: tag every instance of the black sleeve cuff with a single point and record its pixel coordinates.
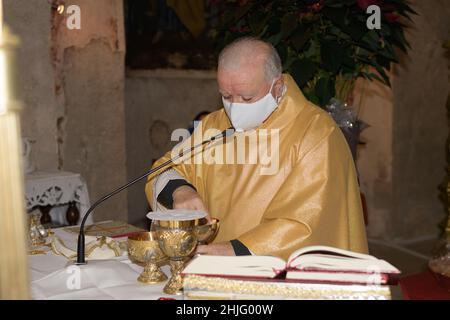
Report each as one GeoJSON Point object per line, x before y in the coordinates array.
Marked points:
{"type": "Point", "coordinates": [165, 196]}
{"type": "Point", "coordinates": [239, 248]}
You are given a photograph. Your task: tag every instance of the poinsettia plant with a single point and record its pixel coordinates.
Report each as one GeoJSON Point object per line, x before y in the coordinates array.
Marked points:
{"type": "Point", "coordinates": [324, 44]}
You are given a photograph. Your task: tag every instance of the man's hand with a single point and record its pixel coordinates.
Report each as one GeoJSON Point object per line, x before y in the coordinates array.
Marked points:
{"type": "Point", "coordinates": [187, 198]}
{"type": "Point", "coordinates": [216, 249]}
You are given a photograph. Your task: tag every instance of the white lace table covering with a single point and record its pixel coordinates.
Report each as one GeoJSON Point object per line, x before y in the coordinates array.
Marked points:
{"type": "Point", "coordinates": [56, 188]}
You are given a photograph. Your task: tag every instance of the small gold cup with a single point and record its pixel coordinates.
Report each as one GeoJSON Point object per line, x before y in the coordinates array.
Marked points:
{"type": "Point", "coordinates": [37, 235]}
{"type": "Point", "coordinates": [143, 249]}
{"type": "Point", "coordinates": [177, 240]}
{"type": "Point", "coordinates": [207, 231]}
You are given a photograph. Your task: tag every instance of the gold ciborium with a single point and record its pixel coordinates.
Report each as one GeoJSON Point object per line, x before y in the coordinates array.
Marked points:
{"type": "Point", "coordinates": [207, 231]}
{"type": "Point", "coordinates": [143, 249]}
{"type": "Point", "coordinates": [177, 240]}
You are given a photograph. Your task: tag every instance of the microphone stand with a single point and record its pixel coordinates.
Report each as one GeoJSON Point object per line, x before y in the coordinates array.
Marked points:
{"type": "Point", "coordinates": [81, 237]}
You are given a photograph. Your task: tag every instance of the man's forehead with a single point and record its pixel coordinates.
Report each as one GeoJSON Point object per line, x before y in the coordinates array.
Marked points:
{"type": "Point", "coordinates": [243, 78]}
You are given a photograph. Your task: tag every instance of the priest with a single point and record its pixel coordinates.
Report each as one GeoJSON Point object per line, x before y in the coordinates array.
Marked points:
{"type": "Point", "coordinates": [311, 197]}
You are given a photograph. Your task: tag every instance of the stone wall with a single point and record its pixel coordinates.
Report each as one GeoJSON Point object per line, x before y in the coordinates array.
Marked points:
{"type": "Point", "coordinates": [158, 102]}
{"type": "Point", "coordinates": [374, 104]}
{"type": "Point", "coordinates": [31, 21]}
{"type": "Point", "coordinates": [72, 85]}
{"type": "Point", "coordinates": [420, 126]}
{"type": "Point", "coordinates": [403, 162]}
{"type": "Point", "coordinates": [90, 70]}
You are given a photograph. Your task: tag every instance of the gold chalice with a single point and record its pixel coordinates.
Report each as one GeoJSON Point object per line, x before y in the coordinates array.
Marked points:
{"type": "Point", "coordinates": [207, 231]}
{"type": "Point", "coordinates": [143, 249]}
{"type": "Point", "coordinates": [177, 240]}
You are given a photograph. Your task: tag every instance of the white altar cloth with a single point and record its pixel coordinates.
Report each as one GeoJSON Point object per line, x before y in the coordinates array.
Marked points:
{"type": "Point", "coordinates": [53, 278]}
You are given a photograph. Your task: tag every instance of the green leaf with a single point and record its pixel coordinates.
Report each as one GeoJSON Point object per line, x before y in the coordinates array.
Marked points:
{"type": "Point", "coordinates": [356, 29]}
{"type": "Point", "coordinates": [332, 54]}
{"type": "Point", "coordinates": [299, 37]}
{"type": "Point", "coordinates": [303, 71]}
{"type": "Point", "coordinates": [336, 15]}
{"type": "Point", "coordinates": [344, 20]}
{"type": "Point", "coordinates": [288, 24]}
{"type": "Point", "coordinates": [312, 51]}
{"type": "Point", "coordinates": [371, 39]}
{"type": "Point", "coordinates": [282, 50]}
{"type": "Point", "coordinates": [348, 60]}
{"type": "Point", "coordinates": [273, 32]}
{"type": "Point", "coordinates": [311, 96]}
{"type": "Point", "coordinates": [242, 11]}
{"type": "Point", "coordinates": [383, 74]}
{"type": "Point", "coordinates": [400, 39]}
{"type": "Point", "coordinates": [275, 39]}
{"type": "Point", "coordinates": [324, 90]}
{"type": "Point", "coordinates": [376, 77]}
{"type": "Point", "coordinates": [384, 62]}
{"type": "Point", "coordinates": [257, 21]}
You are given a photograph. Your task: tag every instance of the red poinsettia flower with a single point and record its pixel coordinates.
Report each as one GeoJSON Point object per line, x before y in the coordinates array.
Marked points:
{"type": "Point", "coordinates": [391, 16]}
{"type": "Point", "coordinates": [389, 7]}
{"type": "Point", "coordinates": [244, 29]}
{"type": "Point", "coordinates": [316, 7]}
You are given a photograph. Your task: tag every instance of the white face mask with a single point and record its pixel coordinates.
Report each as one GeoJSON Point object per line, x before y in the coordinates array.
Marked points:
{"type": "Point", "coordinates": [248, 116]}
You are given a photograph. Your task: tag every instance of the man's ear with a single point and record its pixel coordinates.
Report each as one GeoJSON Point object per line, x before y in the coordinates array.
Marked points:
{"type": "Point", "coordinates": [278, 87]}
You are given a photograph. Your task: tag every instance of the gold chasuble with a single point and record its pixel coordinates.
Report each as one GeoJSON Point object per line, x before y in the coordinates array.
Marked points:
{"type": "Point", "coordinates": [307, 195]}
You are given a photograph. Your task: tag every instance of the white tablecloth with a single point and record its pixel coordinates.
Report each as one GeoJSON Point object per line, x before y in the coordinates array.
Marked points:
{"type": "Point", "coordinates": [52, 277]}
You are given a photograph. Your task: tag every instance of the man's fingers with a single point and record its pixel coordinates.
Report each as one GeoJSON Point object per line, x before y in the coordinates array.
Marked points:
{"type": "Point", "coordinates": [202, 249]}
{"type": "Point", "coordinates": [191, 204]}
{"type": "Point", "coordinates": [221, 249]}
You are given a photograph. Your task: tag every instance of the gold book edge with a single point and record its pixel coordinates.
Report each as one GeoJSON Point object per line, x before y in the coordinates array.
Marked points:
{"type": "Point", "coordinates": [199, 285]}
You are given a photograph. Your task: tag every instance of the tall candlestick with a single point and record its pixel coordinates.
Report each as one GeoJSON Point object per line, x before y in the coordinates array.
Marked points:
{"type": "Point", "coordinates": [13, 242]}
{"type": "Point", "coordinates": [1, 20]}
{"type": "Point", "coordinates": [2, 66]}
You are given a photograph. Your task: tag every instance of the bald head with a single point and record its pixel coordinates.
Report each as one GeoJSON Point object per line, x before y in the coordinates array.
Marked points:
{"type": "Point", "coordinates": [248, 69]}
{"type": "Point", "coordinates": [249, 51]}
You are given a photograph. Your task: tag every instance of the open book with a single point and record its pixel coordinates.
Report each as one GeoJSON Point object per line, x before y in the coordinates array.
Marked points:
{"type": "Point", "coordinates": [108, 228]}
{"type": "Point", "coordinates": [313, 264]}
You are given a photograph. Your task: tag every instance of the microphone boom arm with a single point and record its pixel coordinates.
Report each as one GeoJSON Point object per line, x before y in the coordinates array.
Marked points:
{"type": "Point", "coordinates": [81, 237]}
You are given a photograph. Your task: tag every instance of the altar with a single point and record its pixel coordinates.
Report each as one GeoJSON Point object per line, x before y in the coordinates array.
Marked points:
{"type": "Point", "coordinates": [53, 277]}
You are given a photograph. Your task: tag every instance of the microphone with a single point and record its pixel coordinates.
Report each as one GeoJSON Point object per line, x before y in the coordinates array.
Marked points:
{"type": "Point", "coordinates": [81, 237]}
